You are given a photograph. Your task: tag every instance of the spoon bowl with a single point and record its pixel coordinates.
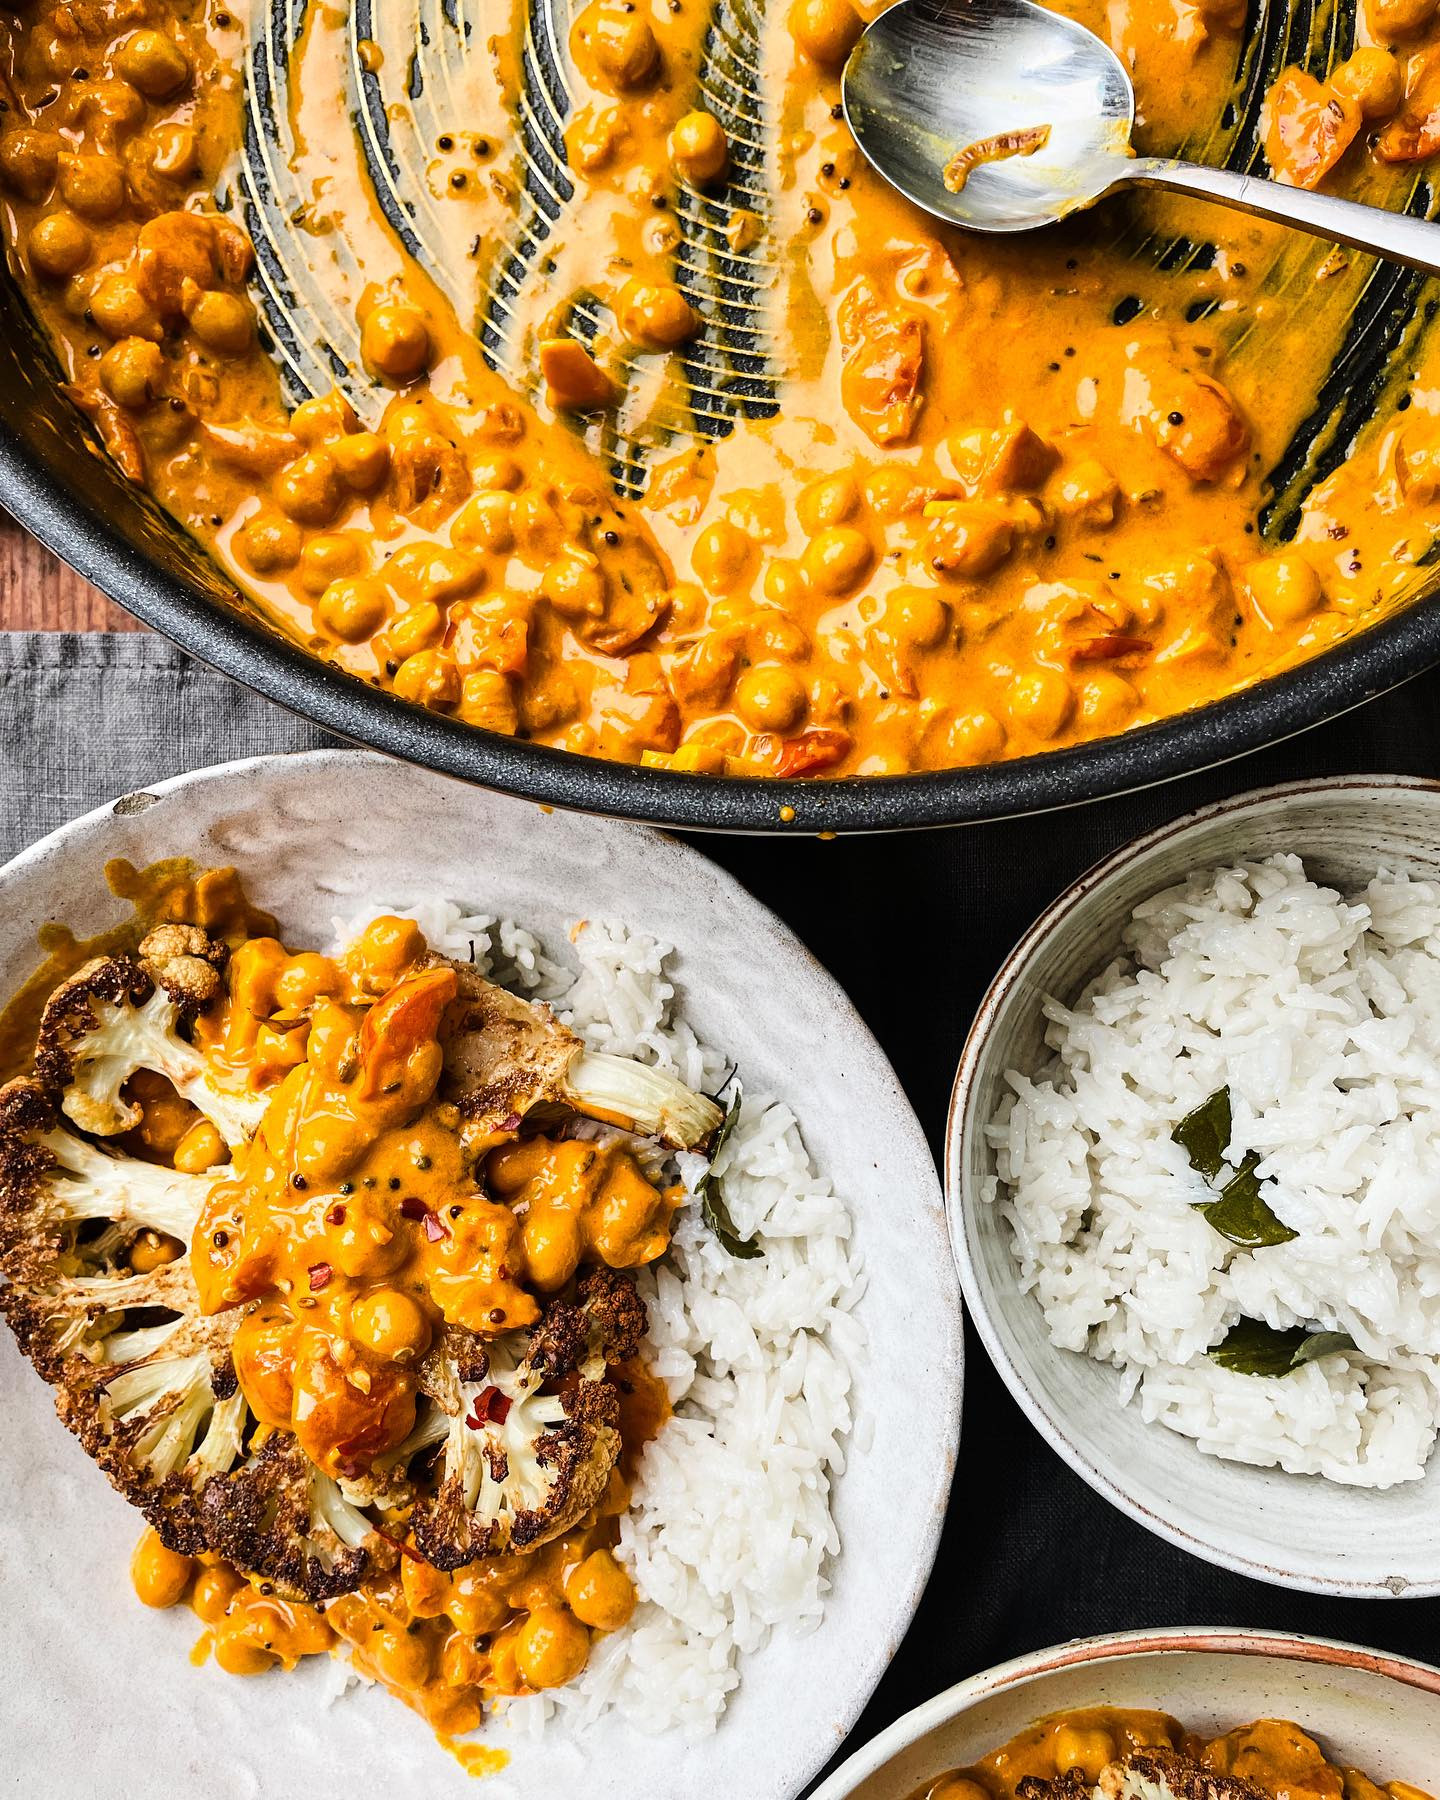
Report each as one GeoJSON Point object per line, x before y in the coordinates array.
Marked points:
{"type": "Point", "coordinates": [1001, 116]}
{"type": "Point", "coordinates": [931, 78]}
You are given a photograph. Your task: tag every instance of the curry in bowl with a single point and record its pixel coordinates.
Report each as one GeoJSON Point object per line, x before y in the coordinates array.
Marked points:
{"type": "Point", "coordinates": [571, 374]}
{"type": "Point", "coordinates": [1120, 1753]}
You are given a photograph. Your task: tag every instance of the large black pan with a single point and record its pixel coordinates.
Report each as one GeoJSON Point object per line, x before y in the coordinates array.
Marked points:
{"type": "Point", "coordinates": [54, 481]}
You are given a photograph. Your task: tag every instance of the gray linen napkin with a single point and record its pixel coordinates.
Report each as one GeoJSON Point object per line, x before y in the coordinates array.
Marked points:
{"type": "Point", "coordinates": [87, 716]}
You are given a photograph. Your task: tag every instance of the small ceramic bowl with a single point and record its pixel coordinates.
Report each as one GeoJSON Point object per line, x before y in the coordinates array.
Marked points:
{"type": "Point", "coordinates": [1299, 1531]}
{"type": "Point", "coordinates": [1370, 1711]}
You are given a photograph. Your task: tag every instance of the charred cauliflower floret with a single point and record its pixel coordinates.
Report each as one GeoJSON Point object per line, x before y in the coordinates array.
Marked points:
{"type": "Point", "coordinates": [506, 1057]}
{"type": "Point", "coordinates": [281, 1517]}
{"type": "Point", "coordinates": [120, 1014]}
{"type": "Point", "coordinates": [521, 1465]}
{"type": "Point", "coordinates": [145, 1382]}
{"type": "Point", "coordinates": [1142, 1775]}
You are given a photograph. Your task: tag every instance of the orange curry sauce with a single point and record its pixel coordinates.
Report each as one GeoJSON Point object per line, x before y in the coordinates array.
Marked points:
{"type": "Point", "coordinates": [1275, 1755]}
{"type": "Point", "coordinates": [356, 1222]}
{"type": "Point", "coordinates": [1010, 496]}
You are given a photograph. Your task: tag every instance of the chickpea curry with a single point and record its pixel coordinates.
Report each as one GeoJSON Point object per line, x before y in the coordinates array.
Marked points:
{"type": "Point", "coordinates": [328, 1258]}
{"type": "Point", "coordinates": [1130, 1753]}
{"type": "Point", "coordinates": [595, 391]}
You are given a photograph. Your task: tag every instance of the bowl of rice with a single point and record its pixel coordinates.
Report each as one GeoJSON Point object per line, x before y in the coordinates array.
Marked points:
{"type": "Point", "coordinates": [1193, 1181]}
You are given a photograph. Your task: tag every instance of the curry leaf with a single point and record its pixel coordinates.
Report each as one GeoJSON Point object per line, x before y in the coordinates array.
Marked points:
{"type": "Point", "coordinates": [1240, 1212]}
{"type": "Point", "coordinates": [712, 1202]}
{"type": "Point", "coordinates": [1204, 1135]}
{"type": "Point", "coordinates": [1243, 1214]}
{"type": "Point", "coordinates": [1251, 1347]}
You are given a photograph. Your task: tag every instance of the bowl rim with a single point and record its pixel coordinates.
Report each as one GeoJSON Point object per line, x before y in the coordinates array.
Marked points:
{"type": "Point", "coordinates": [868, 1666]}
{"type": "Point", "coordinates": [1019, 1671]}
{"type": "Point", "coordinates": [73, 525]}
{"type": "Point", "coordinates": [1011, 972]}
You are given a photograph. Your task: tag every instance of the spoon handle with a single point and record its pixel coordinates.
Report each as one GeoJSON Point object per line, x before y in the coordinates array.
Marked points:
{"type": "Point", "coordinates": [1397, 236]}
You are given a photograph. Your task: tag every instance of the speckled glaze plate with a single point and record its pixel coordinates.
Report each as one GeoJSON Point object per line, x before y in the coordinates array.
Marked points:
{"type": "Point", "coordinates": [99, 1697]}
{"type": "Point", "coordinates": [1376, 1712]}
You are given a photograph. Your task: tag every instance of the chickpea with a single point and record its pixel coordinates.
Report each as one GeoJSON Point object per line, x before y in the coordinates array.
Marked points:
{"type": "Point", "coordinates": [236, 1657]}
{"type": "Point", "coordinates": [1390, 19]}
{"type": "Point", "coordinates": [29, 160]}
{"type": "Point", "coordinates": [437, 573]}
{"type": "Point", "coordinates": [917, 616]}
{"type": "Point", "coordinates": [391, 1324]}
{"type": "Point", "coordinates": [310, 490]}
{"type": "Point", "coordinates": [175, 152]}
{"type": "Point", "coordinates": [154, 63]}
{"type": "Point", "coordinates": [153, 1250]}
{"type": "Point", "coordinates": [488, 701]}
{"type": "Point", "coordinates": [552, 1247]}
{"type": "Point", "coordinates": [551, 1647]}
{"type": "Point", "coordinates": [269, 544]}
{"type": "Point", "coordinates": [626, 50]}
{"type": "Point", "coordinates": [505, 1675]}
{"type": "Point", "coordinates": [215, 1587]}
{"type": "Point", "coordinates": [59, 245]}
{"type": "Point", "coordinates": [484, 523]}
{"type": "Point", "coordinates": [1040, 700]}
{"type": "Point", "coordinates": [575, 585]}
{"type": "Point", "coordinates": [418, 628]}
{"type": "Point", "coordinates": [697, 759]}
{"type": "Point", "coordinates": [133, 371]}
{"type": "Point", "coordinates": [1091, 494]}
{"type": "Point", "coordinates": [224, 323]}
{"type": "Point", "coordinates": [328, 557]}
{"type": "Point", "coordinates": [405, 1659]}
{"type": "Point", "coordinates": [1283, 589]}
{"type": "Point", "coordinates": [770, 697]}
{"type": "Point", "coordinates": [1373, 79]}
{"type": "Point", "coordinates": [363, 461]}
{"type": "Point", "coordinates": [655, 314]}
{"type": "Point", "coordinates": [159, 1576]}
{"type": "Point", "coordinates": [201, 1148]}
{"type": "Point", "coordinates": [307, 977]}
{"type": "Point", "coordinates": [93, 186]}
{"type": "Point", "coordinates": [1106, 700]}
{"type": "Point", "coordinates": [325, 416]}
{"type": "Point", "coordinates": [970, 539]}
{"type": "Point", "coordinates": [699, 148]}
{"type": "Point", "coordinates": [775, 635]}
{"type": "Point", "coordinates": [957, 1787]}
{"type": "Point", "coordinates": [600, 1593]}
{"type": "Point", "coordinates": [829, 501]}
{"type": "Point", "coordinates": [893, 493]}
{"type": "Point", "coordinates": [122, 311]}
{"type": "Point", "coordinates": [826, 30]}
{"type": "Point", "coordinates": [722, 557]}
{"type": "Point", "coordinates": [837, 560]}
{"type": "Point", "coordinates": [1086, 1750]}
{"type": "Point", "coordinates": [429, 678]}
{"type": "Point", "coordinates": [395, 341]}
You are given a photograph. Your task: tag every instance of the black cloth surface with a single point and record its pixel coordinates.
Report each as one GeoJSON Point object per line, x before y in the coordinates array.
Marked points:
{"type": "Point", "coordinates": [1030, 1556]}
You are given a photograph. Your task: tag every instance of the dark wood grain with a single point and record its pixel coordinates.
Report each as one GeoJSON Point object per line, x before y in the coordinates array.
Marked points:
{"type": "Point", "coordinates": [39, 593]}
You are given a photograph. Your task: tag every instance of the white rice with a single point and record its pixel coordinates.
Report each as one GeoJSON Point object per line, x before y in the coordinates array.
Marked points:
{"type": "Point", "coordinates": [1322, 1015]}
{"type": "Point", "coordinates": [729, 1535]}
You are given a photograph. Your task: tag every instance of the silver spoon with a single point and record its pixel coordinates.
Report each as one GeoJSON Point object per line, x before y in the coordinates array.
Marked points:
{"type": "Point", "coordinates": [1041, 111]}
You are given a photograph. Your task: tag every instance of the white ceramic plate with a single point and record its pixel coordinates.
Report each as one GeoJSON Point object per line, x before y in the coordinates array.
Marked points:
{"type": "Point", "coordinates": [1298, 1530]}
{"type": "Point", "coordinates": [98, 1696]}
{"type": "Point", "coordinates": [1376, 1712]}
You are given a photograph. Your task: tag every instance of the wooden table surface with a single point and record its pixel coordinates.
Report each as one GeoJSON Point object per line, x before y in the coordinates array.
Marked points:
{"type": "Point", "coordinates": [38, 592]}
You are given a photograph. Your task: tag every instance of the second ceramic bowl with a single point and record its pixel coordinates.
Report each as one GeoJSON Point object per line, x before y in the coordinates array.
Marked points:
{"type": "Point", "coordinates": [1299, 1531]}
